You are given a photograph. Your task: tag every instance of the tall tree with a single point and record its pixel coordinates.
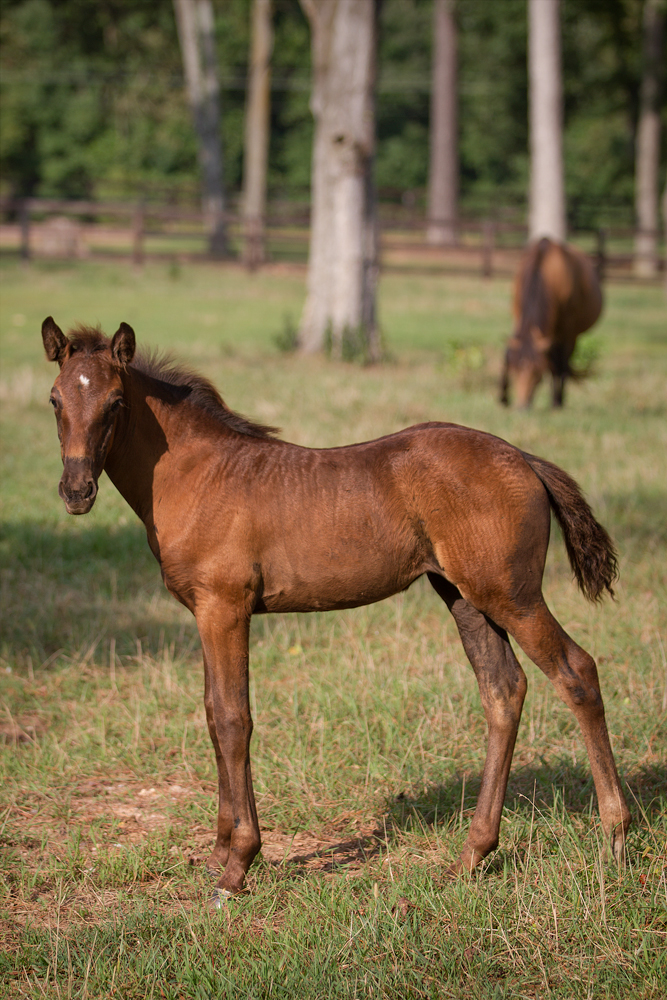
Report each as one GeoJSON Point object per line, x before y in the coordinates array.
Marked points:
{"type": "Point", "coordinates": [343, 259]}
{"type": "Point", "coordinates": [196, 32]}
{"type": "Point", "coordinates": [546, 214]}
{"type": "Point", "coordinates": [257, 133]}
{"type": "Point", "coordinates": [647, 159]}
{"type": "Point", "coordinates": [443, 162]}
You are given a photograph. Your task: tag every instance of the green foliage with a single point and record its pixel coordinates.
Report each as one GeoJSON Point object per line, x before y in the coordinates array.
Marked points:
{"type": "Point", "coordinates": [403, 95]}
{"type": "Point", "coordinates": [92, 101]}
{"type": "Point", "coordinates": [493, 100]}
{"type": "Point", "coordinates": [291, 120]}
{"type": "Point", "coordinates": [601, 45]}
{"type": "Point", "coordinates": [92, 98]}
{"type": "Point", "coordinates": [353, 344]}
{"type": "Point", "coordinates": [287, 339]}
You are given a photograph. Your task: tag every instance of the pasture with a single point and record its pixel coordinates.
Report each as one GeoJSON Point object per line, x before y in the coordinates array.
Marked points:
{"type": "Point", "coordinates": [369, 734]}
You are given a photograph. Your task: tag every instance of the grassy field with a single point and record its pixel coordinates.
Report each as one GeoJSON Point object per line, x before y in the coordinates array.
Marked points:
{"type": "Point", "coordinates": [369, 735]}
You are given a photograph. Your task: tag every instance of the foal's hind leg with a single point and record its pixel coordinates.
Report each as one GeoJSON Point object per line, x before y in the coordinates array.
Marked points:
{"type": "Point", "coordinates": [575, 677]}
{"type": "Point", "coordinates": [502, 686]}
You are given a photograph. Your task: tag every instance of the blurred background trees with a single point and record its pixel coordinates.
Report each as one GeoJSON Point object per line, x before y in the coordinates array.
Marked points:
{"type": "Point", "coordinates": [257, 132]}
{"type": "Point", "coordinates": [196, 34]}
{"type": "Point", "coordinates": [92, 102]}
{"type": "Point", "coordinates": [648, 138]}
{"type": "Point", "coordinates": [443, 172]}
{"type": "Point", "coordinates": [343, 258]}
{"type": "Point", "coordinates": [546, 207]}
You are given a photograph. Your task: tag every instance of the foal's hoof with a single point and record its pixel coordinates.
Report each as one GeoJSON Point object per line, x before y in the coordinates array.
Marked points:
{"type": "Point", "coordinates": [219, 899]}
{"type": "Point", "coordinates": [617, 852]}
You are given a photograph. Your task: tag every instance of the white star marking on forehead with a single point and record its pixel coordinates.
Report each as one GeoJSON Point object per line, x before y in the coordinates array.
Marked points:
{"type": "Point", "coordinates": [84, 380]}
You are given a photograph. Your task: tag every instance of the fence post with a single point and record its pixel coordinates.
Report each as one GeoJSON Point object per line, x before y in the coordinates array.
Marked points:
{"type": "Point", "coordinates": [254, 251]}
{"type": "Point", "coordinates": [664, 229]}
{"type": "Point", "coordinates": [601, 255]}
{"type": "Point", "coordinates": [138, 235]}
{"type": "Point", "coordinates": [487, 248]}
{"type": "Point", "coordinates": [24, 222]}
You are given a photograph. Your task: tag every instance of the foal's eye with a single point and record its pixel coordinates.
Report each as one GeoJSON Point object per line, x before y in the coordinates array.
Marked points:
{"type": "Point", "coordinates": [53, 401]}
{"type": "Point", "coordinates": [116, 405]}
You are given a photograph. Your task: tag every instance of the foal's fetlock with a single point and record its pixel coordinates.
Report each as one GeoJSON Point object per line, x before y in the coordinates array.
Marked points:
{"type": "Point", "coordinates": [617, 841]}
{"type": "Point", "coordinates": [218, 858]}
{"type": "Point", "coordinates": [467, 861]}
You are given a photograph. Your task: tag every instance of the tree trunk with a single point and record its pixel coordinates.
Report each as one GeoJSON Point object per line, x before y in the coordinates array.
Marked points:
{"type": "Point", "coordinates": [194, 20]}
{"type": "Point", "coordinates": [647, 160]}
{"type": "Point", "coordinates": [443, 167]}
{"type": "Point", "coordinates": [547, 189]}
{"type": "Point", "coordinates": [664, 225]}
{"type": "Point", "coordinates": [343, 259]}
{"type": "Point", "coordinates": [257, 134]}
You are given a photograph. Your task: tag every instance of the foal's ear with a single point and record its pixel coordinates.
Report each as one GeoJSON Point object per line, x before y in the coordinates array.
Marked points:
{"type": "Point", "coordinates": [123, 344]}
{"type": "Point", "coordinates": [55, 341]}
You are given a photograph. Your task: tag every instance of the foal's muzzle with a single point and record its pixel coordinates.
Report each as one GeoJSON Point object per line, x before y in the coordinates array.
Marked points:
{"type": "Point", "coordinates": [78, 492]}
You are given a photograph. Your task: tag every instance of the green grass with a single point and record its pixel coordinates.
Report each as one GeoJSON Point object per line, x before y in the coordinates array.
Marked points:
{"type": "Point", "coordinates": [369, 736]}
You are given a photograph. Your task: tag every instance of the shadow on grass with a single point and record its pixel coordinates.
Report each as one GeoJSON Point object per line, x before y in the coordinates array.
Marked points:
{"type": "Point", "coordinates": [66, 587]}
{"type": "Point", "coordinates": [72, 549]}
{"type": "Point", "coordinates": [543, 788]}
{"type": "Point", "coordinates": [352, 852]}
{"type": "Point", "coordinates": [540, 789]}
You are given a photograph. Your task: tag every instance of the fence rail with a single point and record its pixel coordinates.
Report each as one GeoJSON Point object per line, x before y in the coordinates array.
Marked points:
{"type": "Point", "coordinates": [39, 227]}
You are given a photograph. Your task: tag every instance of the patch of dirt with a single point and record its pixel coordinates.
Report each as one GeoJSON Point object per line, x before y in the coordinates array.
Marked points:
{"type": "Point", "coordinates": [128, 811]}
{"type": "Point", "coordinates": [119, 814]}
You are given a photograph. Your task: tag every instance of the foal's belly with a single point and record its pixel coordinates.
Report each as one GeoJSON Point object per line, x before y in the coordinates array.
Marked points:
{"type": "Point", "coordinates": [344, 575]}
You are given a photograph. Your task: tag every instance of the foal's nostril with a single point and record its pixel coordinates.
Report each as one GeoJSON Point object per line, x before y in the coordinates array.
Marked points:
{"type": "Point", "coordinates": [87, 490]}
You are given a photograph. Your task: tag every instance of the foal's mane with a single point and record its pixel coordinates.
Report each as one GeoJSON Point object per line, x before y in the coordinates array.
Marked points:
{"type": "Point", "coordinates": [176, 382]}
{"type": "Point", "coordinates": [181, 382]}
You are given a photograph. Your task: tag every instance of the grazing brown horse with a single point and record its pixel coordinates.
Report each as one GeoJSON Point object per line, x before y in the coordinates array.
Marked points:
{"type": "Point", "coordinates": [243, 523]}
{"type": "Point", "coordinates": [556, 297]}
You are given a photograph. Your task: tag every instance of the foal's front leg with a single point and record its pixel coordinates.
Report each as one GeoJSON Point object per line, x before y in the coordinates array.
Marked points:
{"type": "Point", "coordinates": [224, 634]}
{"type": "Point", "coordinates": [220, 853]}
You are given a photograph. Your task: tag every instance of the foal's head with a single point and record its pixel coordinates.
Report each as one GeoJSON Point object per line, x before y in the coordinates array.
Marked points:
{"type": "Point", "coordinates": [87, 397]}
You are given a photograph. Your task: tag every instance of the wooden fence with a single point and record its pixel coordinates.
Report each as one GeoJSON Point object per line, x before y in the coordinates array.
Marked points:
{"type": "Point", "coordinates": [34, 228]}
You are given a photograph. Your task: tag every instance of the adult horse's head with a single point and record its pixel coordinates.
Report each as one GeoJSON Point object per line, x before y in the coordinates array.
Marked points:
{"type": "Point", "coordinates": [87, 397]}
{"type": "Point", "coordinates": [526, 364]}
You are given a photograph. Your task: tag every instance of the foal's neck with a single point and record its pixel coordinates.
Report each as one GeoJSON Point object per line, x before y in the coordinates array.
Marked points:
{"type": "Point", "coordinates": [147, 433]}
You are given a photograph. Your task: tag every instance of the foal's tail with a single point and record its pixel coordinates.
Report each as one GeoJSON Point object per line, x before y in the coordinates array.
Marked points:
{"type": "Point", "coordinates": [590, 549]}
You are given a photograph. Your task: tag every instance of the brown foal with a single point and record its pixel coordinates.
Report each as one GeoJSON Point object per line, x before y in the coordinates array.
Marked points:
{"type": "Point", "coordinates": [243, 523]}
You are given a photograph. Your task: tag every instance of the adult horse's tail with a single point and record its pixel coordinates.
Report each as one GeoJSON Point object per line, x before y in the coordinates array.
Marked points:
{"type": "Point", "coordinates": [590, 549]}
